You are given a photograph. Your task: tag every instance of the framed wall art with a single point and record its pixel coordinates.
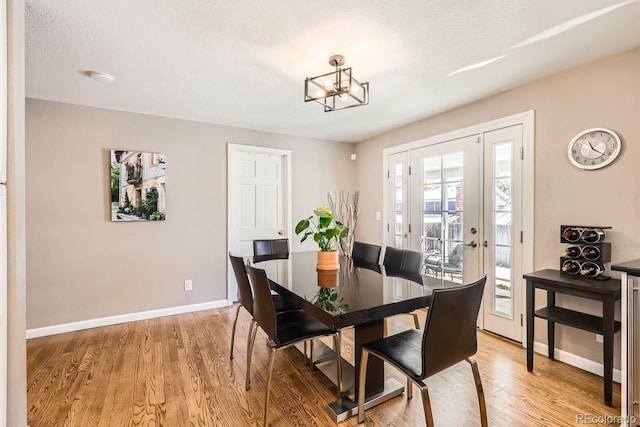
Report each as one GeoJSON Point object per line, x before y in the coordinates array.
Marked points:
{"type": "Point", "coordinates": [137, 185]}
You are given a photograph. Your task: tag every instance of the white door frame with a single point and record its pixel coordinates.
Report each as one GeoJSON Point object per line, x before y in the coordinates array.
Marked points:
{"type": "Point", "coordinates": [286, 205]}
{"type": "Point", "coordinates": [527, 120]}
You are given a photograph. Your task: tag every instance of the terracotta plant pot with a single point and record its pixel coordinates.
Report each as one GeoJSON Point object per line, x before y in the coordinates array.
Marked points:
{"type": "Point", "coordinates": [328, 260]}
{"type": "Point", "coordinates": [328, 278]}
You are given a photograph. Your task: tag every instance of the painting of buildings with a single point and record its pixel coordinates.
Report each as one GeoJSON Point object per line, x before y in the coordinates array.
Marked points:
{"type": "Point", "coordinates": [137, 186]}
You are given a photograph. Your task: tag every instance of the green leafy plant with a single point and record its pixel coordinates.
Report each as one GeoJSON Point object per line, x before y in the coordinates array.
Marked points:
{"type": "Point", "coordinates": [115, 182]}
{"type": "Point", "coordinates": [127, 201]}
{"type": "Point", "coordinates": [325, 230]}
{"type": "Point", "coordinates": [330, 300]}
{"type": "Point", "coordinates": [156, 216]}
{"type": "Point", "coordinates": [150, 202]}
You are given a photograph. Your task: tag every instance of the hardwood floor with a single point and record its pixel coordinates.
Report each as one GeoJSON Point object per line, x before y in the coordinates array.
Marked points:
{"type": "Point", "coordinates": [175, 371]}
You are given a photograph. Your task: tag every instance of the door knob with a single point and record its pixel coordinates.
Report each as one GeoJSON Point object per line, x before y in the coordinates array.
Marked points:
{"type": "Point", "coordinates": [280, 232]}
{"type": "Point", "coordinates": [473, 244]}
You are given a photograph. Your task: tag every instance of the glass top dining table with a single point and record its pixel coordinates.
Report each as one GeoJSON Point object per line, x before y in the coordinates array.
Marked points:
{"type": "Point", "coordinates": [359, 295]}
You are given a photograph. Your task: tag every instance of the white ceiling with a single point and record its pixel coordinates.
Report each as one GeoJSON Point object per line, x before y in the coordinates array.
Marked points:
{"type": "Point", "coordinates": [243, 62]}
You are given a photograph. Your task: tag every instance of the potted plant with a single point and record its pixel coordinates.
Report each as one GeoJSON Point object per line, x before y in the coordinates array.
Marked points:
{"type": "Point", "coordinates": [326, 232]}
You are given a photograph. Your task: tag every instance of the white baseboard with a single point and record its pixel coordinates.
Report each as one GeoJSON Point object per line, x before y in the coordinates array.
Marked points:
{"type": "Point", "coordinates": [577, 361]}
{"type": "Point", "coordinates": [122, 318]}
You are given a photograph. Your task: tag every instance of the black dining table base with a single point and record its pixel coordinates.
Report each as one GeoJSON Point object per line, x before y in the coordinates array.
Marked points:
{"type": "Point", "coordinates": [378, 390]}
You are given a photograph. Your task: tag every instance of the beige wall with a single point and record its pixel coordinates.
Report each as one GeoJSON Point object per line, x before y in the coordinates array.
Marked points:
{"type": "Point", "coordinates": [82, 266]}
{"type": "Point", "coordinates": [605, 93]}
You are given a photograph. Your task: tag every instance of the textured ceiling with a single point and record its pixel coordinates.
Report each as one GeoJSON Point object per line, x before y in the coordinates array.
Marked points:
{"type": "Point", "coordinates": [243, 62]}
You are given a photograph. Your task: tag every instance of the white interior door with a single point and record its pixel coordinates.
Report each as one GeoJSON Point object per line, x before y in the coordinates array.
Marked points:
{"type": "Point", "coordinates": [445, 210]}
{"type": "Point", "coordinates": [258, 195]}
{"type": "Point", "coordinates": [503, 224]}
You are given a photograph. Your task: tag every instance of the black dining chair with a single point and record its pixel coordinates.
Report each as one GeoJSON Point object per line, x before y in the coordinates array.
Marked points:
{"type": "Point", "coordinates": [267, 249]}
{"type": "Point", "coordinates": [449, 337]}
{"type": "Point", "coordinates": [403, 261]}
{"type": "Point", "coordinates": [366, 252]}
{"type": "Point", "coordinates": [284, 329]}
{"type": "Point", "coordinates": [245, 296]}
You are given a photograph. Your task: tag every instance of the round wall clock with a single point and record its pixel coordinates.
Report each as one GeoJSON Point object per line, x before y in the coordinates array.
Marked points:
{"type": "Point", "coordinates": [594, 148]}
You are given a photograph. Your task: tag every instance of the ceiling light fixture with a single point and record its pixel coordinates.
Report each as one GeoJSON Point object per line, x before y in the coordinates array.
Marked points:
{"type": "Point", "coordinates": [101, 77]}
{"type": "Point", "coordinates": [336, 90]}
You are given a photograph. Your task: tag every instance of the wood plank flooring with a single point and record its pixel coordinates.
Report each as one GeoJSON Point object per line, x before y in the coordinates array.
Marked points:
{"type": "Point", "coordinates": [176, 371]}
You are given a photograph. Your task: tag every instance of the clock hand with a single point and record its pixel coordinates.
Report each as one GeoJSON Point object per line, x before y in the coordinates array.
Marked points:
{"type": "Point", "coordinates": [593, 148]}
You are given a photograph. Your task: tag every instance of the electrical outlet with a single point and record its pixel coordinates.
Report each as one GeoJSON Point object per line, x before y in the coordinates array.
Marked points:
{"type": "Point", "coordinates": [188, 285]}
{"type": "Point", "coordinates": [599, 338]}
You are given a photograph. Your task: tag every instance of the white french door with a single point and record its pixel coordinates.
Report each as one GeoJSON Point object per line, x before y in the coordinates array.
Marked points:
{"type": "Point", "coordinates": [502, 232]}
{"type": "Point", "coordinates": [460, 202]}
{"type": "Point", "coordinates": [258, 194]}
{"type": "Point", "coordinates": [398, 226]}
{"type": "Point", "coordinates": [445, 210]}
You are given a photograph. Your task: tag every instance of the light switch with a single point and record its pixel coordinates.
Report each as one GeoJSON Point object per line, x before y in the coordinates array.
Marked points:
{"type": "Point", "coordinates": [378, 216]}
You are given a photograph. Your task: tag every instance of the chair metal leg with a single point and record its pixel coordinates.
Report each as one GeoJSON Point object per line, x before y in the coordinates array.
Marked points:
{"type": "Point", "coordinates": [311, 353]}
{"type": "Point", "coordinates": [364, 359]}
{"type": "Point", "coordinates": [306, 358]}
{"type": "Point", "coordinates": [233, 331]}
{"type": "Point", "coordinates": [479, 390]}
{"type": "Point", "coordinates": [336, 347]}
{"type": "Point", "coordinates": [386, 328]}
{"type": "Point", "coordinates": [426, 403]}
{"type": "Point", "coordinates": [409, 389]}
{"type": "Point", "coordinates": [416, 321]}
{"type": "Point", "coordinates": [266, 398]}
{"type": "Point", "coordinates": [253, 329]}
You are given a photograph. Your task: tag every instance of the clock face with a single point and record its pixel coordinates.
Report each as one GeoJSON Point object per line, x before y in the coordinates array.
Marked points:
{"type": "Point", "coordinates": [594, 148]}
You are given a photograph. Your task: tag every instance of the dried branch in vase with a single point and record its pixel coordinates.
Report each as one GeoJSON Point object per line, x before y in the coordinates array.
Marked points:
{"type": "Point", "coordinates": [345, 209]}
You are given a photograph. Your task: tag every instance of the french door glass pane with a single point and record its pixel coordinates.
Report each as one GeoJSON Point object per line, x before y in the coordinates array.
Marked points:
{"type": "Point", "coordinates": [398, 203]}
{"type": "Point", "coordinates": [442, 207]}
{"type": "Point", "coordinates": [502, 206]}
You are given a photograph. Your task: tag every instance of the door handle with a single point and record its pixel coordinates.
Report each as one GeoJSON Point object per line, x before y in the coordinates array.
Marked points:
{"type": "Point", "coordinates": [472, 243]}
{"type": "Point", "coordinates": [280, 232]}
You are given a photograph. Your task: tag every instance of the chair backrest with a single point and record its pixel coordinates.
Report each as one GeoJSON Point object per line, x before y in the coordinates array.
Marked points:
{"type": "Point", "coordinates": [264, 250]}
{"type": "Point", "coordinates": [373, 266]}
{"type": "Point", "coordinates": [407, 275]}
{"type": "Point", "coordinates": [264, 312]}
{"type": "Point", "coordinates": [244, 288]}
{"type": "Point", "coordinates": [402, 259]}
{"type": "Point", "coordinates": [366, 252]}
{"type": "Point", "coordinates": [450, 329]}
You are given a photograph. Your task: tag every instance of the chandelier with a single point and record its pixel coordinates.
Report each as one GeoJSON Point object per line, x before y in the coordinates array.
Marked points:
{"type": "Point", "coordinates": [336, 90]}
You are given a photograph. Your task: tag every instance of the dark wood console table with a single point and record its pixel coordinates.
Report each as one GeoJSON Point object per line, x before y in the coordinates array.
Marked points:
{"type": "Point", "coordinates": [607, 291]}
